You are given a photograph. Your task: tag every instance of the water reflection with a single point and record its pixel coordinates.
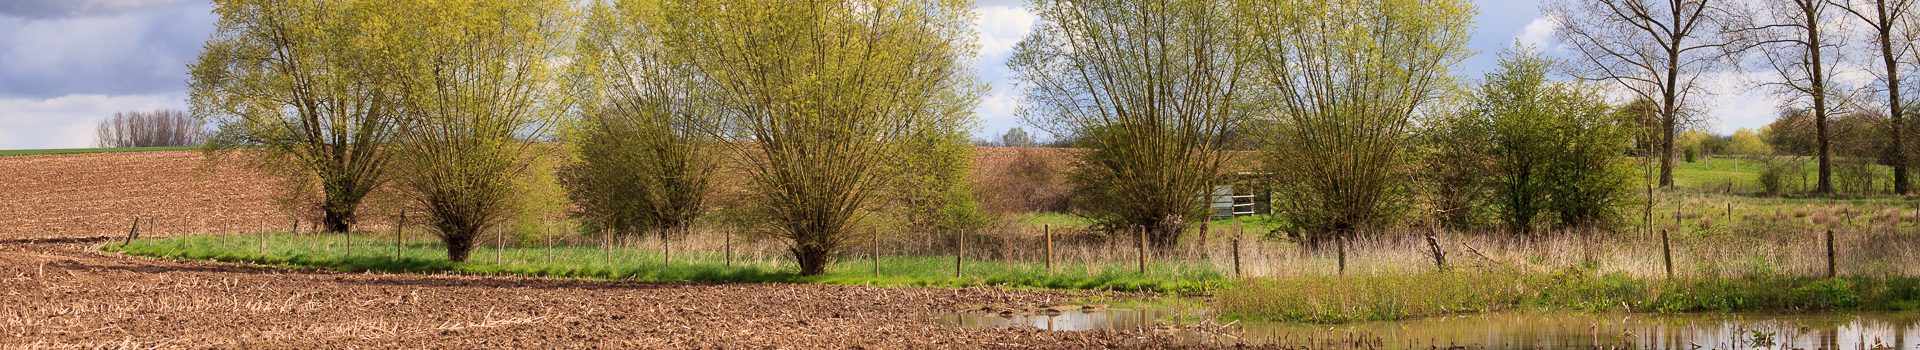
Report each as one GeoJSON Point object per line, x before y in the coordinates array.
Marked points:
{"type": "Point", "coordinates": [1539, 330]}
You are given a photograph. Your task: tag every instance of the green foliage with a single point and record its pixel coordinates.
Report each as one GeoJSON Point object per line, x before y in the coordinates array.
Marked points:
{"type": "Point", "coordinates": [1746, 142]}
{"type": "Point", "coordinates": [1690, 153]}
{"type": "Point", "coordinates": [1776, 171]}
{"type": "Point", "coordinates": [1340, 83]}
{"type": "Point", "coordinates": [476, 86]}
{"type": "Point", "coordinates": [820, 100]}
{"type": "Point", "coordinates": [309, 88]}
{"type": "Point", "coordinates": [1151, 89]}
{"type": "Point", "coordinates": [645, 162]}
{"type": "Point", "coordinates": [1539, 148]}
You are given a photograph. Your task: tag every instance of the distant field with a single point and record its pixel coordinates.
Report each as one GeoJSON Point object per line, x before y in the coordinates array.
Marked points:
{"type": "Point", "coordinates": [33, 152]}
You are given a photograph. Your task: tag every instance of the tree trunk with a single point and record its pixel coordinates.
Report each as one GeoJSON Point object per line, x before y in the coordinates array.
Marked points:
{"type": "Point", "coordinates": [1819, 87]}
{"type": "Point", "coordinates": [338, 220]}
{"type": "Point", "coordinates": [1899, 148]}
{"type": "Point", "coordinates": [813, 260]}
{"type": "Point", "coordinates": [459, 244]}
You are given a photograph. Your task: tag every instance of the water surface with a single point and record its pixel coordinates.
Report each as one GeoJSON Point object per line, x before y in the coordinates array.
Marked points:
{"type": "Point", "coordinates": [1518, 330]}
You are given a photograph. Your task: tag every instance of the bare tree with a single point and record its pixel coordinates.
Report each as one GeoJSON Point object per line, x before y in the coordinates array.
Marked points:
{"type": "Point", "coordinates": [1889, 23]}
{"type": "Point", "coordinates": [1792, 40]}
{"type": "Point", "coordinates": [1656, 49]}
{"type": "Point", "coordinates": [158, 128]}
{"type": "Point", "coordinates": [1151, 87]}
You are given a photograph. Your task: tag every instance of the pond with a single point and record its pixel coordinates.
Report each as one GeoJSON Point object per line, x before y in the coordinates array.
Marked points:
{"type": "Point", "coordinates": [1515, 330]}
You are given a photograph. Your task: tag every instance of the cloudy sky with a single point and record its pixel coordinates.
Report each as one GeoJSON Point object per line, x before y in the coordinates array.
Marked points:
{"type": "Point", "coordinates": [65, 64]}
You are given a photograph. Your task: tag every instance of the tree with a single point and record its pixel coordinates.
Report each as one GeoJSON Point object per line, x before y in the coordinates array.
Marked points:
{"type": "Point", "coordinates": [1888, 21]}
{"type": "Point", "coordinates": [822, 98]}
{"type": "Point", "coordinates": [1547, 146]}
{"type": "Point", "coordinates": [311, 85]}
{"type": "Point", "coordinates": [1789, 37]}
{"type": "Point", "coordinates": [1345, 78]}
{"type": "Point", "coordinates": [1655, 49]}
{"type": "Point", "coordinates": [1152, 88]}
{"type": "Point", "coordinates": [162, 127]}
{"type": "Point", "coordinates": [645, 160]}
{"type": "Point", "coordinates": [1748, 143]}
{"type": "Point", "coordinates": [1016, 137]}
{"type": "Point", "coordinates": [477, 85]}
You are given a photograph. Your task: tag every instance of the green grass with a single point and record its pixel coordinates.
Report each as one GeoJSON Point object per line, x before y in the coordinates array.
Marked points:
{"type": "Point", "coordinates": [590, 262]}
{"type": "Point", "coordinates": [31, 152]}
{"type": "Point", "coordinates": [1385, 297]}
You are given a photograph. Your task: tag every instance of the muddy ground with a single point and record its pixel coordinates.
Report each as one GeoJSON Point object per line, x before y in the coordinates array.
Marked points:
{"type": "Point", "coordinates": [57, 291]}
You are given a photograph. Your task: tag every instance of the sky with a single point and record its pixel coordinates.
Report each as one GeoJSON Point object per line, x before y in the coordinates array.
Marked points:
{"type": "Point", "coordinates": [66, 64]}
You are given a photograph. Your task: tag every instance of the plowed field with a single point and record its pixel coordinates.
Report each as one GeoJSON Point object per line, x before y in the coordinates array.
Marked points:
{"type": "Point", "coordinates": [56, 292]}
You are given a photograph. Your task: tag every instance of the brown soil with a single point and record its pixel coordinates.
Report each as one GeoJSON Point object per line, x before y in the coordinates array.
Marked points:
{"type": "Point", "coordinates": [57, 292]}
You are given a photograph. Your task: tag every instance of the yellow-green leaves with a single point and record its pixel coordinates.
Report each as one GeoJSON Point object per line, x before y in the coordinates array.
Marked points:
{"type": "Point", "coordinates": [822, 96]}
{"type": "Point", "coordinates": [1344, 79]}
{"type": "Point", "coordinates": [478, 82]}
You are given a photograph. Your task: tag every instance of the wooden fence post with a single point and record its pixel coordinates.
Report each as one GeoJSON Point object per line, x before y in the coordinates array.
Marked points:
{"type": "Point", "coordinates": [875, 233]}
{"type": "Point", "coordinates": [959, 251]}
{"type": "Point", "coordinates": [727, 246]}
{"type": "Point", "coordinates": [1439, 257]}
{"type": "Point", "coordinates": [1832, 271]}
{"type": "Point", "coordinates": [1666, 250]}
{"type": "Point", "coordinates": [606, 250]}
{"type": "Point", "coordinates": [1048, 231]}
{"type": "Point", "coordinates": [263, 240]}
{"type": "Point", "coordinates": [131, 231]}
{"type": "Point", "coordinates": [398, 227]}
{"type": "Point", "coordinates": [499, 244]}
{"type": "Point", "coordinates": [1340, 245]}
{"type": "Point", "coordinates": [1142, 242]}
{"type": "Point", "coordinates": [1237, 233]}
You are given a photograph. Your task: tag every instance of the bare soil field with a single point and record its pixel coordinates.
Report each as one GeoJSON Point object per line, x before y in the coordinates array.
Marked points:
{"type": "Point", "coordinates": [85, 195]}
{"type": "Point", "coordinates": [56, 291]}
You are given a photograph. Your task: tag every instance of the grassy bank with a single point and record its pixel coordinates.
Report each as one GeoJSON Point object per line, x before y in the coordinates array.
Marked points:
{"type": "Point", "coordinates": [366, 253]}
{"type": "Point", "coordinates": [1335, 299]}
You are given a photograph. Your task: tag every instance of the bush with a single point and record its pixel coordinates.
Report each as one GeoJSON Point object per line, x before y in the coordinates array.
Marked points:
{"type": "Point", "coordinates": [1775, 170]}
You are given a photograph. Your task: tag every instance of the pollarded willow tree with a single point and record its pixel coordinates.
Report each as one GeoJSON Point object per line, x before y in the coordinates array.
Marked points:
{"type": "Point", "coordinates": [823, 98]}
{"type": "Point", "coordinates": [1656, 49]}
{"type": "Point", "coordinates": [477, 83]}
{"type": "Point", "coordinates": [645, 158]}
{"type": "Point", "coordinates": [310, 84]}
{"type": "Point", "coordinates": [1344, 79]}
{"type": "Point", "coordinates": [1152, 89]}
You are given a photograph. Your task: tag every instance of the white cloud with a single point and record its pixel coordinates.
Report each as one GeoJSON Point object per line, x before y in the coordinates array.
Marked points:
{"type": "Point", "coordinates": [1539, 33]}
{"type": "Point", "coordinates": [1002, 27]}
{"type": "Point", "coordinates": [68, 121]}
{"type": "Point", "coordinates": [1735, 101]}
{"type": "Point", "coordinates": [997, 112]}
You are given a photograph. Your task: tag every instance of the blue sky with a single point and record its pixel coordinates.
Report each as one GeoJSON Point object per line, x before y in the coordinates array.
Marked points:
{"type": "Point", "coordinates": [65, 64]}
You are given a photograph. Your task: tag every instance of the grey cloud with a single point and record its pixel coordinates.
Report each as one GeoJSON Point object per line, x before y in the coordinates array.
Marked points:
{"type": "Point", "coordinates": [40, 9]}
{"type": "Point", "coordinates": [132, 52]}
